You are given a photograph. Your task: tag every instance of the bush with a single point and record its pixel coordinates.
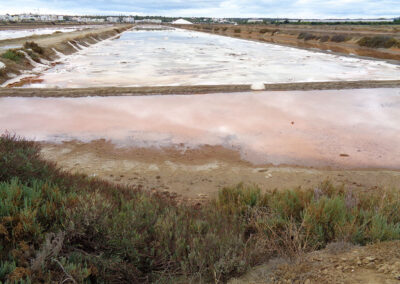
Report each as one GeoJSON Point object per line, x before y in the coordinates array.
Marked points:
{"type": "Point", "coordinates": [34, 46]}
{"type": "Point", "coordinates": [237, 31]}
{"type": "Point", "coordinates": [324, 38]}
{"type": "Point", "coordinates": [306, 36]}
{"type": "Point", "coordinates": [263, 31]}
{"type": "Point", "coordinates": [340, 38]}
{"type": "Point", "coordinates": [379, 42]}
{"type": "Point", "coordinates": [14, 55]}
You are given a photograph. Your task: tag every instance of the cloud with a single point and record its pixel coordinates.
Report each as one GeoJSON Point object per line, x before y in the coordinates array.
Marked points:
{"type": "Point", "coordinates": [212, 8]}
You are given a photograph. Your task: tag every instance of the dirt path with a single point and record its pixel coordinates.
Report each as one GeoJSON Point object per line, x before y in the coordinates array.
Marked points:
{"type": "Point", "coordinates": [201, 89]}
{"type": "Point", "coordinates": [199, 174]}
{"type": "Point", "coordinates": [339, 263]}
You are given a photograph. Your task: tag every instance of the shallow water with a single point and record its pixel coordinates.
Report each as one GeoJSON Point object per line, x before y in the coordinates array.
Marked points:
{"type": "Point", "coordinates": [179, 57]}
{"type": "Point", "coordinates": [308, 128]}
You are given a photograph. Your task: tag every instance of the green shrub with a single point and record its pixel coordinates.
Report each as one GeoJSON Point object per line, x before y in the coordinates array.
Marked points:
{"type": "Point", "coordinates": [13, 54]}
{"type": "Point", "coordinates": [378, 42]}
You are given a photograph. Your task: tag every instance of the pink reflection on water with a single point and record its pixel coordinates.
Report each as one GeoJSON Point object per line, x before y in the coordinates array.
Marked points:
{"type": "Point", "coordinates": [309, 128]}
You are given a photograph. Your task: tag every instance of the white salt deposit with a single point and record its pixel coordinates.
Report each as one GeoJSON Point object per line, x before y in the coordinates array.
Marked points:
{"type": "Point", "coordinates": [73, 46]}
{"type": "Point", "coordinates": [10, 34]}
{"type": "Point", "coordinates": [59, 54]}
{"type": "Point", "coordinates": [31, 61]}
{"type": "Point", "coordinates": [146, 58]}
{"type": "Point", "coordinates": [2, 65]}
{"type": "Point", "coordinates": [182, 22]}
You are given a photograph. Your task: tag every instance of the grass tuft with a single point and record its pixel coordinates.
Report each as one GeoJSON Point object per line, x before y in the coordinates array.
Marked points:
{"type": "Point", "coordinates": [13, 54]}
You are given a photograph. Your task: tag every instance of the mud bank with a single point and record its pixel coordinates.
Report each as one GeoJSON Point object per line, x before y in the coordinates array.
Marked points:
{"type": "Point", "coordinates": [198, 174]}
{"type": "Point", "coordinates": [190, 90]}
{"type": "Point", "coordinates": [48, 49]}
{"type": "Point", "coordinates": [347, 37]}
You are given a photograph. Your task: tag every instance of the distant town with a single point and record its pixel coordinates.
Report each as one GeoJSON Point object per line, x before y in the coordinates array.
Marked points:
{"type": "Point", "coordinates": [158, 20]}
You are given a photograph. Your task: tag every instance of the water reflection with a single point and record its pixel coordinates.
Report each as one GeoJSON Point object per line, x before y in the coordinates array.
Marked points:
{"type": "Point", "coordinates": [311, 128]}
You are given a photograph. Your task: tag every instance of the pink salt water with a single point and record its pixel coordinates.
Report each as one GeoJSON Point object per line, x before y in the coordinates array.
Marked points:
{"type": "Point", "coordinates": [346, 128]}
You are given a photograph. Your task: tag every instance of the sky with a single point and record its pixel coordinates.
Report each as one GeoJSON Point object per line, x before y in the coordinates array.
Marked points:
{"type": "Point", "coordinates": [211, 8]}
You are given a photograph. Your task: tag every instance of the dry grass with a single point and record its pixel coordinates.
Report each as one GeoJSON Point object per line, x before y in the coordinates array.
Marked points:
{"type": "Point", "coordinates": [379, 42]}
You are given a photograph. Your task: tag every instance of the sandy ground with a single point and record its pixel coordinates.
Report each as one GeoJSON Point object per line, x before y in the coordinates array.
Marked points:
{"type": "Point", "coordinates": [339, 263]}
{"type": "Point", "coordinates": [199, 174]}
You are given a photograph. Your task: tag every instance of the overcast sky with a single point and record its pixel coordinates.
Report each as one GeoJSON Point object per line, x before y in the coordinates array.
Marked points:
{"type": "Point", "coordinates": [211, 8]}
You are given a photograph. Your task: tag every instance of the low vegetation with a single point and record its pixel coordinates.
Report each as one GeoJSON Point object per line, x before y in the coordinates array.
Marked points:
{"type": "Point", "coordinates": [324, 38]}
{"type": "Point", "coordinates": [237, 31]}
{"type": "Point", "coordinates": [59, 227]}
{"type": "Point", "coordinates": [336, 38]}
{"type": "Point", "coordinates": [34, 47]}
{"type": "Point", "coordinates": [14, 55]}
{"type": "Point", "coordinates": [306, 36]}
{"type": "Point", "coordinates": [340, 38]}
{"type": "Point", "coordinates": [379, 42]}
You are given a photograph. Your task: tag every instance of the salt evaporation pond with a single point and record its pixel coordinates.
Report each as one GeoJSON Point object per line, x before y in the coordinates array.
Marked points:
{"type": "Point", "coordinates": [19, 33]}
{"type": "Point", "coordinates": [308, 128]}
{"type": "Point", "coordinates": [179, 57]}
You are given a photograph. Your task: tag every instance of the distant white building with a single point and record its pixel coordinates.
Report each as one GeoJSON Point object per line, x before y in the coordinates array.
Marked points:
{"type": "Point", "coordinates": [255, 21]}
{"type": "Point", "coordinates": [148, 21]}
{"type": "Point", "coordinates": [221, 21]}
{"type": "Point", "coordinates": [113, 19]}
{"type": "Point", "coordinates": [128, 19]}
